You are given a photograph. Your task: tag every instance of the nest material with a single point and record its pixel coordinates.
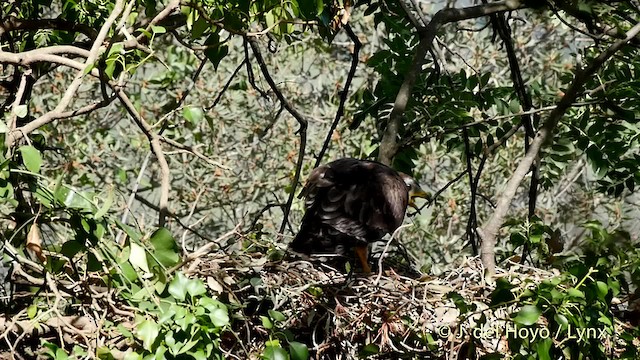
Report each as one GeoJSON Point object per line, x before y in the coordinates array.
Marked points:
{"type": "Point", "coordinates": [384, 314]}
{"type": "Point", "coordinates": [393, 313]}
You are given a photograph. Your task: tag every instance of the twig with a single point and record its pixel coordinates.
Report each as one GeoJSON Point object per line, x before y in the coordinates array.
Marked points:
{"type": "Point", "coordinates": [529, 121]}
{"type": "Point", "coordinates": [386, 249]}
{"type": "Point", "coordinates": [262, 211]}
{"type": "Point", "coordinates": [13, 23]}
{"type": "Point", "coordinates": [193, 151]}
{"type": "Point", "coordinates": [204, 249]}
{"type": "Point", "coordinates": [302, 121]}
{"type": "Point", "coordinates": [193, 208]}
{"type": "Point", "coordinates": [489, 230]}
{"type": "Point", "coordinates": [345, 92]}
{"type": "Point", "coordinates": [19, 94]}
{"type": "Point", "coordinates": [186, 93]}
{"type": "Point", "coordinates": [132, 196]}
{"type": "Point", "coordinates": [173, 5]}
{"type": "Point", "coordinates": [441, 190]}
{"type": "Point", "coordinates": [226, 85]}
{"type": "Point", "coordinates": [473, 220]}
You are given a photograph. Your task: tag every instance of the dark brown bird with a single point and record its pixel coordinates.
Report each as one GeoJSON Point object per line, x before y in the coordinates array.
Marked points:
{"type": "Point", "coordinates": [351, 203]}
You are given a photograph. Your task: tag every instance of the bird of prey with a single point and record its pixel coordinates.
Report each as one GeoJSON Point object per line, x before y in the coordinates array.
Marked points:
{"type": "Point", "coordinates": [351, 203]}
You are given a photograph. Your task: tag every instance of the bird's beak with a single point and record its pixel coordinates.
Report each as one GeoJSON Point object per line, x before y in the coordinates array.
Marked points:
{"type": "Point", "coordinates": [417, 193]}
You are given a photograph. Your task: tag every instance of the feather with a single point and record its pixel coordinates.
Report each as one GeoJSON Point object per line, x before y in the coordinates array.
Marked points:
{"type": "Point", "coordinates": [349, 203]}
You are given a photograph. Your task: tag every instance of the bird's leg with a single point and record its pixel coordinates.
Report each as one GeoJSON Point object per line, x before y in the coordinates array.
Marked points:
{"type": "Point", "coordinates": [361, 252]}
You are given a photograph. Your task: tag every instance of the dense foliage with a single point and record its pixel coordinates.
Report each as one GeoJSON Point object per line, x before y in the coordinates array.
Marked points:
{"type": "Point", "coordinates": [141, 136]}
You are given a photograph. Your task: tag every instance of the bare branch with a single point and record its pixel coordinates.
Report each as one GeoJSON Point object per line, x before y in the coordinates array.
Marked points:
{"type": "Point", "coordinates": [193, 151]}
{"type": "Point", "coordinates": [302, 121]}
{"type": "Point", "coordinates": [21, 89]}
{"type": "Point", "coordinates": [473, 220]}
{"type": "Point", "coordinates": [489, 230]}
{"type": "Point", "coordinates": [171, 7]}
{"type": "Point", "coordinates": [345, 92]}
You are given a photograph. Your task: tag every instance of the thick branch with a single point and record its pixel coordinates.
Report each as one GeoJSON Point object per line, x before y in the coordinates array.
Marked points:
{"type": "Point", "coordinates": [389, 144]}
{"type": "Point", "coordinates": [302, 121]}
{"type": "Point", "coordinates": [490, 229]}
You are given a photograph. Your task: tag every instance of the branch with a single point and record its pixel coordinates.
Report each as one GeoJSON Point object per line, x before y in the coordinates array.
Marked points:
{"type": "Point", "coordinates": [490, 229]}
{"type": "Point", "coordinates": [389, 144]}
{"type": "Point", "coordinates": [173, 5]}
{"type": "Point", "coordinates": [156, 148]}
{"type": "Point", "coordinates": [13, 23]}
{"type": "Point", "coordinates": [193, 151]}
{"type": "Point", "coordinates": [441, 190]}
{"type": "Point", "coordinates": [227, 84]}
{"type": "Point", "coordinates": [528, 121]}
{"type": "Point", "coordinates": [345, 92]}
{"type": "Point", "coordinates": [302, 121]}
{"type": "Point", "coordinates": [20, 93]}
{"type": "Point", "coordinates": [75, 84]}
{"type": "Point", "coordinates": [472, 222]}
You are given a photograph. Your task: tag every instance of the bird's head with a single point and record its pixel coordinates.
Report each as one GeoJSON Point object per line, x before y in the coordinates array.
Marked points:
{"type": "Point", "coordinates": [414, 189]}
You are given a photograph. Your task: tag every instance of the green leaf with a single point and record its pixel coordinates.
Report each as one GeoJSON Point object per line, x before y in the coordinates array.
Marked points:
{"type": "Point", "coordinates": [193, 114]}
{"type": "Point", "coordinates": [275, 353]}
{"type": "Point", "coordinates": [71, 248]}
{"type": "Point", "coordinates": [542, 348]}
{"type": "Point", "coordinates": [219, 317]}
{"type": "Point", "coordinates": [107, 204]}
{"type": "Point", "coordinates": [276, 315]}
{"type": "Point", "coordinates": [266, 322]}
{"type": "Point", "coordinates": [21, 111]}
{"type": "Point", "coordinates": [602, 289]}
{"type": "Point", "coordinates": [561, 320]}
{"type": "Point", "coordinates": [368, 350]}
{"type": "Point", "coordinates": [31, 158]}
{"type": "Point", "coordinates": [93, 264]}
{"type": "Point", "coordinates": [165, 248]}
{"type": "Point", "coordinates": [298, 351]}
{"type": "Point", "coordinates": [32, 311]}
{"type": "Point", "coordinates": [195, 287]}
{"type": "Point", "coordinates": [575, 293]}
{"type": "Point", "coordinates": [147, 331]}
{"type": "Point", "coordinates": [528, 315]}
{"type": "Point", "coordinates": [215, 51]}
{"type": "Point", "coordinates": [138, 257]}
{"type": "Point", "coordinates": [158, 29]}
{"type": "Point", "coordinates": [178, 286]}
{"type": "Point", "coordinates": [199, 27]}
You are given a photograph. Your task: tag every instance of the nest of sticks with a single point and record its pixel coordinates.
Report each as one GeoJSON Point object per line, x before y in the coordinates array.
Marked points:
{"type": "Point", "coordinates": [393, 313]}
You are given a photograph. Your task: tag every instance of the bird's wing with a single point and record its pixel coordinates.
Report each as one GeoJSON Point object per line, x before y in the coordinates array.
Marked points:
{"type": "Point", "coordinates": [361, 199]}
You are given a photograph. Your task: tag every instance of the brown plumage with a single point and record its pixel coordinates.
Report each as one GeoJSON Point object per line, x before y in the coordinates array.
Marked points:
{"type": "Point", "coordinates": [351, 203]}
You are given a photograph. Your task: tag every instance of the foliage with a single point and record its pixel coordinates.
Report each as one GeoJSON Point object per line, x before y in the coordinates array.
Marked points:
{"type": "Point", "coordinates": [230, 103]}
